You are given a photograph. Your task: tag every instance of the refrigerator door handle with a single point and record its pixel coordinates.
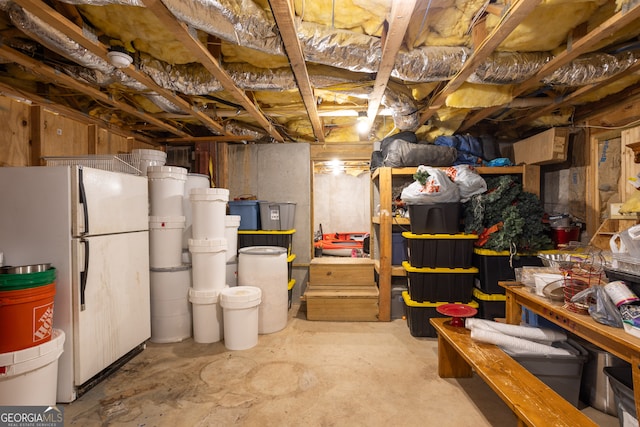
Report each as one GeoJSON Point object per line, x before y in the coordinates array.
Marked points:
{"type": "Point", "coordinates": [83, 201]}
{"type": "Point", "coordinates": [84, 273]}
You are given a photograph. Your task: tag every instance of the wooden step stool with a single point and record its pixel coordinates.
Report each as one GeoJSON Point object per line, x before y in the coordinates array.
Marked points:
{"type": "Point", "coordinates": [342, 289]}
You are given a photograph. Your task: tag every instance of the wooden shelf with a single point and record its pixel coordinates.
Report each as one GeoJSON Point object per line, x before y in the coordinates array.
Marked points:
{"type": "Point", "coordinates": [382, 225]}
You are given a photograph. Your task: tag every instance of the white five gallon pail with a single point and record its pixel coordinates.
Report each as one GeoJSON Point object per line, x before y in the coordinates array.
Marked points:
{"type": "Point", "coordinates": [170, 308]}
{"type": "Point", "coordinates": [166, 190]}
{"type": "Point", "coordinates": [240, 316]}
{"type": "Point", "coordinates": [207, 316]}
{"type": "Point", "coordinates": [266, 267]}
{"type": "Point", "coordinates": [145, 158]}
{"type": "Point", "coordinates": [29, 377]}
{"type": "Point", "coordinates": [194, 180]}
{"type": "Point", "coordinates": [231, 225]}
{"type": "Point", "coordinates": [208, 259]}
{"type": "Point", "coordinates": [209, 208]}
{"type": "Point", "coordinates": [232, 273]}
{"type": "Point", "coordinates": [165, 241]}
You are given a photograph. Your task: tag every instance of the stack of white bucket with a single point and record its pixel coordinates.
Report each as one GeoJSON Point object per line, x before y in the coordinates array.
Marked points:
{"type": "Point", "coordinates": [170, 278]}
{"type": "Point", "coordinates": [208, 248]}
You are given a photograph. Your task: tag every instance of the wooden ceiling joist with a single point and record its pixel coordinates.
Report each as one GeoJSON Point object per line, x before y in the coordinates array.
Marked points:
{"type": "Point", "coordinates": [285, 20]}
{"type": "Point", "coordinates": [577, 48]}
{"type": "Point", "coordinates": [54, 76]}
{"type": "Point", "coordinates": [191, 42]}
{"type": "Point", "coordinates": [75, 33]}
{"type": "Point", "coordinates": [510, 20]}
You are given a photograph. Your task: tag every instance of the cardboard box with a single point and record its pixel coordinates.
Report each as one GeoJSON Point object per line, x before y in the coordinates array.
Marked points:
{"type": "Point", "coordinates": [548, 147]}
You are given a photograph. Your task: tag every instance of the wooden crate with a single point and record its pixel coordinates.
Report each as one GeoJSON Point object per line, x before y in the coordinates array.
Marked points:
{"type": "Point", "coordinates": [341, 271]}
{"type": "Point", "coordinates": [342, 303]}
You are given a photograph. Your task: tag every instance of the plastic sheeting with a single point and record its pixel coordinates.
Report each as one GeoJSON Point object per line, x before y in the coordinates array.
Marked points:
{"type": "Point", "coordinates": [526, 332]}
{"type": "Point", "coordinates": [515, 345]}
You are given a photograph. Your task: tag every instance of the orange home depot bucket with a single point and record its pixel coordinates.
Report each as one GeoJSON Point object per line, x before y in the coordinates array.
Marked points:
{"type": "Point", "coordinates": [26, 317]}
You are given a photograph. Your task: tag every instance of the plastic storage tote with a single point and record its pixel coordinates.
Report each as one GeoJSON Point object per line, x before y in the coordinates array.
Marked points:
{"type": "Point", "coordinates": [249, 211]}
{"type": "Point", "coordinates": [435, 218]}
{"type": "Point", "coordinates": [440, 284]}
{"type": "Point", "coordinates": [419, 313]}
{"type": "Point", "coordinates": [277, 216]}
{"type": "Point", "coordinates": [440, 250]}
{"type": "Point", "coordinates": [494, 266]}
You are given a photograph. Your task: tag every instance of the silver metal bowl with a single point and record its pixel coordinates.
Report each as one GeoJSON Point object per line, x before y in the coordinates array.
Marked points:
{"type": "Point", "coordinates": [25, 269]}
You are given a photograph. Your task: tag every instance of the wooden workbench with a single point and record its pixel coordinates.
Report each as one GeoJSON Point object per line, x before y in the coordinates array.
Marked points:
{"type": "Point", "coordinates": [613, 340]}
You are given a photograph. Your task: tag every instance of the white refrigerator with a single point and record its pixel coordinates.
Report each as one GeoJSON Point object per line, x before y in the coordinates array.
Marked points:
{"type": "Point", "coordinates": [92, 226]}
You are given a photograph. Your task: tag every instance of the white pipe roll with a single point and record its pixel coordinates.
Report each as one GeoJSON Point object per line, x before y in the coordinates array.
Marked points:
{"type": "Point", "coordinates": [515, 345]}
{"type": "Point", "coordinates": [527, 332]}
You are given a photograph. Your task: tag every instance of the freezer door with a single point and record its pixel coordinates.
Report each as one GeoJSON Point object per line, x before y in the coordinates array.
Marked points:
{"type": "Point", "coordinates": [111, 309]}
{"type": "Point", "coordinates": [108, 202]}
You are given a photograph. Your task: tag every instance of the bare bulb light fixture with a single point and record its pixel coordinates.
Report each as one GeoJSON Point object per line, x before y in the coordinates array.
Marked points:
{"type": "Point", "coordinates": [362, 124]}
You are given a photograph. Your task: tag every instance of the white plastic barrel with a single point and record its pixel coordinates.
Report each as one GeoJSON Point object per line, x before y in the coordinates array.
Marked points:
{"type": "Point", "coordinates": [170, 308]}
{"type": "Point", "coordinates": [166, 190]}
{"type": "Point", "coordinates": [30, 376]}
{"type": "Point", "coordinates": [194, 180]}
{"type": "Point", "coordinates": [145, 158]}
{"type": "Point", "coordinates": [240, 316]}
{"type": "Point", "coordinates": [209, 207]}
{"type": "Point", "coordinates": [265, 267]}
{"type": "Point", "coordinates": [231, 225]}
{"type": "Point", "coordinates": [165, 241]}
{"type": "Point", "coordinates": [207, 316]}
{"type": "Point", "coordinates": [208, 259]}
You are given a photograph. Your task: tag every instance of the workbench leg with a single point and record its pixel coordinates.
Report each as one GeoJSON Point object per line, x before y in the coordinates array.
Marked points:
{"type": "Point", "coordinates": [513, 310]}
{"type": "Point", "coordinates": [450, 363]}
{"type": "Point", "coordinates": [635, 370]}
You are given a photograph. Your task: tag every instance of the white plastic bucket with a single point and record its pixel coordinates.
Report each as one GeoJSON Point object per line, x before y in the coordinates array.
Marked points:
{"type": "Point", "coordinates": [266, 267]}
{"type": "Point", "coordinates": [170, 308]}
{"type": "Point", "coordinates": [145, 158]}
{"type": "Point", "coordinates": [29, 377]}
{"type": "Point", "coordinates": [165, 241]}
{"type": "Point", "coordinates": [166, 190]}
{"type": "Point", "coordinates": [207, 316]}
{"type": "Point", "coordinates": [240, 316]}
{"type": "Point", "coordinates": [231, 224]}
{"type": "Point", "coordinates": [208, 258]}
{"type": "Point", "coordinates": [209, 207]}
{"type": "Point", "coordinates": [194, 180]}
{"type": "Point", "coordinates": [232, 273]}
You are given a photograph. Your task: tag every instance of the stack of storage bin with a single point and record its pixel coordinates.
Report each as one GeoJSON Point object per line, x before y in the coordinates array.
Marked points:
{"type": "Point", "coordinates": [439, 271]}
{"type": "Point", "coordinates": [494, 267]}
{"type": "Point", "coordinates": [170, 278]}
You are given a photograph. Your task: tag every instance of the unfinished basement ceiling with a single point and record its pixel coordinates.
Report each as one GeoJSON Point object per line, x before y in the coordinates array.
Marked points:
{"type": "Point", "coordinates": [275, 71]}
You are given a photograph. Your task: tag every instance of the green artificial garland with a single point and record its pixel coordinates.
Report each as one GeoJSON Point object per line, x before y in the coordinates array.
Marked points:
{"type": "Point", "coordinates": [516, 214]}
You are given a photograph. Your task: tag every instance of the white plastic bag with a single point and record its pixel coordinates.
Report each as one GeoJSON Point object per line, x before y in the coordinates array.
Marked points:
{"type": "Point", "coordinates": [468, 180]}
{"type": "Point", "coordinates": [438, 188]}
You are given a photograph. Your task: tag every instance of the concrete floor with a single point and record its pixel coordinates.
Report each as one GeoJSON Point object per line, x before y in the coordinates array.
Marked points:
{"type": "Point", "coordinates": [309, 374]}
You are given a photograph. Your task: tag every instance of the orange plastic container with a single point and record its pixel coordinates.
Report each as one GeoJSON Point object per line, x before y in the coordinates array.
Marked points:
{"type": "Point", "coordinates": [26, 317]}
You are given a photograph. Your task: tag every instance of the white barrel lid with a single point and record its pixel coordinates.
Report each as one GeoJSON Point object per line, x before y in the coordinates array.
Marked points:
{"type": "Point", "coordinates": [167, 221]}
{"type": "Point", "coordinates": [240, 294]}
{"type": "Point", "coordinates": [175, 172]}
{"type": "Point", "coordinates": [232, 221]}
{"type": "Point", "coordinates": [208, 245]}
{"type": "Point", "coordinates": [202, 193]}
{"type": "Point", "coordinates": [262, 250]}
{"type": "Point", "coordinates": [204, 296]}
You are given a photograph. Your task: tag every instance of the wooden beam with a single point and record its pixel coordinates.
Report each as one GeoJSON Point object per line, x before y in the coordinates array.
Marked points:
{"type": "Point", "coordinates": [401, 11]}
{"type": "Point", "coordinates": [54, 76]}
{"type": "Point", "coordinates": [190, 40]}
{"type": "Point", "coordinates": [563, 101]}
{"type": "Point", "coordinates": [38, 101]}
{"type": "Point", "coordinates": [75, 33]}
{"type": "Point", "coordinates": [283, 15]}
{"type": "Point", "coordinates": [577, 48]}
{"type": "Point", "coordinates": [510, 20]}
